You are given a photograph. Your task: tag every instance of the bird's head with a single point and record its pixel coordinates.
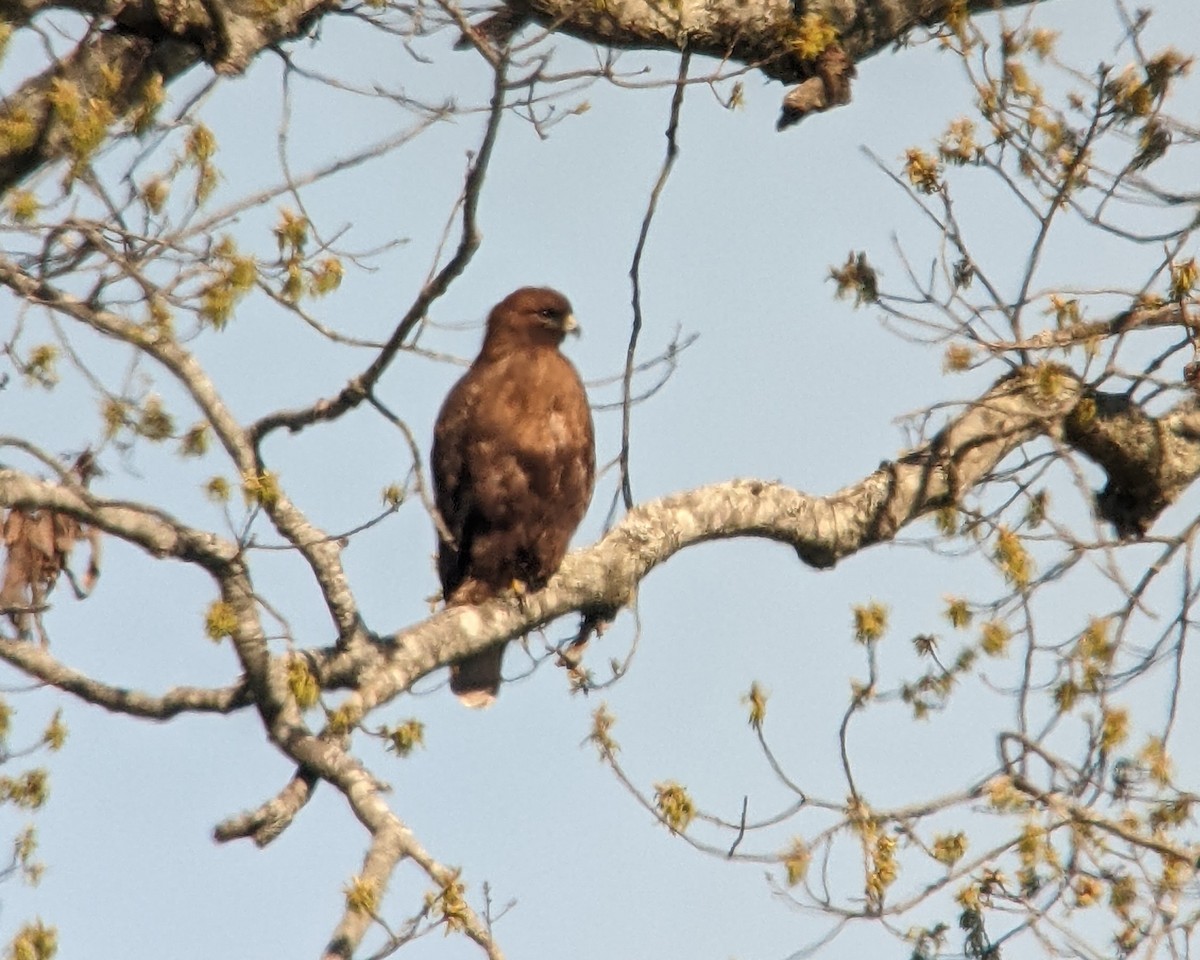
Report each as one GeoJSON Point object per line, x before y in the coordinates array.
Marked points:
{"type": "Point", "coordinates": [531, 316]}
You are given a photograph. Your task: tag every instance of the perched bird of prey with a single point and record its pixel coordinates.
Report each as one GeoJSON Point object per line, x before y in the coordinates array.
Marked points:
{"type": "Point", "coordinates": [513, 463]}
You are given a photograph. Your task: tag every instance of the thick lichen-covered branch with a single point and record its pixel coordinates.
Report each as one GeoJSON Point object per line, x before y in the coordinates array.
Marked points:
{"type": "Point", "coordinates": [1163, 453]}
{"type": "Point", "coordinates": [1035, 402]}
{"type": "Point", "coordinates": [812, 44]}
{"type": "Point", "coordinates": [783, 36]}
{"type": "Point", "coordinates": [116, 74]}
{"type": "Point", "coordinates": [822, 530]}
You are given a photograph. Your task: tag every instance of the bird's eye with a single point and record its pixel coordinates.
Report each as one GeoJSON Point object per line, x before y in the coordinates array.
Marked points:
{"type": "Point", "coordinates": [547, 312]}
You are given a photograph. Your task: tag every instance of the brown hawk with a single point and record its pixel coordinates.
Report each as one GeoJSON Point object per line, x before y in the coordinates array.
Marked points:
{"type": "Point", "coordinates": [513, 466]}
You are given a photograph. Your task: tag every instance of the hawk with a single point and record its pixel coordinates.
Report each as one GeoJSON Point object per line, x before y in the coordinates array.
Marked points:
{"type": "Point", "coordinates": [513, 464]}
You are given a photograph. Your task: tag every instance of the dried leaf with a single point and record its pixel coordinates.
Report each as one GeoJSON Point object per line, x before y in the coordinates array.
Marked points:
{"type": "Point", "coordinates": [37, 550]}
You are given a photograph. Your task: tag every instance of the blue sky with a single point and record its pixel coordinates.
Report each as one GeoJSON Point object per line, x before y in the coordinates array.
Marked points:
{"type": "Point", "coordinates": [783, 382]}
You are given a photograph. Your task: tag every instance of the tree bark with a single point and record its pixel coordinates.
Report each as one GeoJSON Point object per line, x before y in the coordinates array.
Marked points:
{"type": "Point", "coordinates": [145, 43]}
{"type": "Point", "coordinates": [116, 69]}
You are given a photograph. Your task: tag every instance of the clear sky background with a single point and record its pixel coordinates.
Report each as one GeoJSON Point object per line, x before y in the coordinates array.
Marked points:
{"type": "Point", "coordinates": [783, 382]}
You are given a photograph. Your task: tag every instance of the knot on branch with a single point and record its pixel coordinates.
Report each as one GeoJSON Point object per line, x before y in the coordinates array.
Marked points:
{"type": "Point", "coordinates": [195, 22]}
{"type": "Point", "coordinates": [1149, 461]}
{"type": "Point", "coordinates": [819, 556]}
{"type": "Point", "coordinates": [830, 87]}
{"type": "Point", "coordinates": [227, 36]}
{"type": "Point", "coordinates": [354, 393]}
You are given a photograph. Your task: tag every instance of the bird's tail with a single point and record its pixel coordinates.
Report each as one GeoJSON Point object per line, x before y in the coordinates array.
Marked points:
{"type": "Point", "coordinates": [476, 680]}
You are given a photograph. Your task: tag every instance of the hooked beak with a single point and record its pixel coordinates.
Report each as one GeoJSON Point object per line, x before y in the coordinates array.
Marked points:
{"type": "Point", "coordinates": [571, 325]}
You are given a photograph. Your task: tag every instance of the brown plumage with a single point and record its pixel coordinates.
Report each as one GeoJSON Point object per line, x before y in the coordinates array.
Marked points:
{"type": "Point", "coordinates": [513, 466]}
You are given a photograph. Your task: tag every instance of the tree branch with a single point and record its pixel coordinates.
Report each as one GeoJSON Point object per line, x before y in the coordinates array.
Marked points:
{"type": "Point", "coordinates": [116, 68]}
{"type": "Point", "coordinates": [153, 530]}
{"type": "Point", "coordinates": [321, 552]}
{"type": "Point", "coordinates": [822, 530]}
{"type": "Point", "coordinates": [37, 662]}
{"type": "Point", "coordinates": [265, 823]}
{"type": "Point", "coordinates": [1149, 460]}
{"type": "Point", "coordinates": [153, 42]}
{"type": "Point", "coordinates": [361, 386]}
{"type": "Point", "coordinates": [767, 34]}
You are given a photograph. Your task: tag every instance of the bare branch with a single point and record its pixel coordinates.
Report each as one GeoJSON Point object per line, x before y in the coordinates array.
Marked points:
{"type": "Point", "coordinates": [268, 821]}
{"type": "Point", "coordinates": [635, 274]}
{"type": "Point", "coordinates": [37, 662]}
{"type": "Point", "coordinates": [152, 530]}
{"type": "Point", "coordinates": [361, 386]}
